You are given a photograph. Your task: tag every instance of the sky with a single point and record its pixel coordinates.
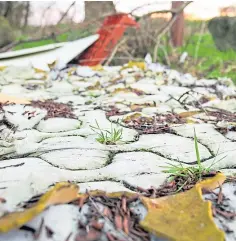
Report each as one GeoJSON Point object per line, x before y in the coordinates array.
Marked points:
{"type": "Point", "coordinates": [203, 9]}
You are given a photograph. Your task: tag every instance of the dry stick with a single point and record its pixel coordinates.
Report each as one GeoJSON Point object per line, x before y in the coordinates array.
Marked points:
{"type": "Point", "coordinates": [108, 220]}
{"type": "Point", "coordinates": [166, 55]}
{"type": "Point", "coordinates": [167, 27]}
{"type": "Point", "coordinates": [114, 51]}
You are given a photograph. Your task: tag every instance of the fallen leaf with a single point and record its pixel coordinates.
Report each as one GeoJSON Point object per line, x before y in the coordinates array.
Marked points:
{"type": "Point", "coordinates": [135, 116]}
{"type": "Point", "coordinates": [2, 68]}
{"type": "Point", "coordinates": [131, 64]}
{"type": "Point", "coordinates": [98, 67]}
{"type": "Point", "coordinates": [94, 87]}
{"type": "Point", "coordinates": [52, 65]}
{"type": "Point", "coordinates": [61, 193]}
{"type": "Point", "coordinates": [186, 213]}
{"type": "Point", "coordinates": [191, 121]}
{"type": "Point", "coordinates": [121, 90]}
{"type": "Point", "coordinates": [189, 113]}
{"type": "Point", "coordinates": [210, 184]}
{"type": "Point", "coordinates": [12, 99]}
{"type": "Point", "coordinates": [39, 71]}
{"type": "Point", "coordinates": [71, 71]}
{"type": "Point", "coordinates": [133, 107]}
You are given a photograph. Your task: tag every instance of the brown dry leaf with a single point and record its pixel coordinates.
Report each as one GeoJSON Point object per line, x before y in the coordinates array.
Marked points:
{"type": "Point", "coordinates": [189, 113]}
{"type": "Point", "coordinates": [136, 116]}
{"type": "Point", "coordinates": [121, 90]}
{"type": "Point", "coordinates": [12, 99]}
{"type": "Point", "coordinates": [186, 213]}
{"type": "Point", "coordinates": [131, 117]}
{"type": "Point", "coordinates": [62, 193]}
{"type": "Point", "coordinates": [94, 87]}
{"type": "Point", "coordinates": [140, 106]}
{"type": "Point", "coordinates": [39, 71]}
{"type": "Point", "coordinates": [52, 65]}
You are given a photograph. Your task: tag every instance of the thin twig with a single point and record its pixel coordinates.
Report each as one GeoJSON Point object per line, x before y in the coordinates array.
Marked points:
{"type": "Point", "coordinates": [66, 12]}
{"type": "Point", "coordinates": [173, 11]}
{"type": "Point", "coordinates": [114, 51]}
{"type": "Point", "coordinates": [124, 235]}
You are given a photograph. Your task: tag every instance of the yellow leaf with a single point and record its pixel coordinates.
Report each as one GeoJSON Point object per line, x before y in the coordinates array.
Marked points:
{"type": "Point", "coordinates": [39, 71]}
{"type": "Point", "coordinates": [123, 90]}
{"type": "Point", "coordinates": [97, 67]}
{"type": "Point", "coordinates": [2, 68]}
{"type": "Point", "coordinates": [136, 116]}
{"type": "Point", "coordinates": [191, 121]}
{"type": "Point", "coordinates": [132, 117]}
{"type": "Point", "coordinates": [71, 71]}
{"type": "Point", "coordinates": [61, 193]}
{"type": "Point", "coordinates": [212, 183]}
{"type": "Point", "coordinates": [12, 99]}
{"type": "Point", "coordinates": [184, 216]}
{"type": "Point", "coordinates": [212, 98]}
{"type": "Point", "coordinates": [189, 113]}
{"type": "Point", "coordinates": [131, 64]}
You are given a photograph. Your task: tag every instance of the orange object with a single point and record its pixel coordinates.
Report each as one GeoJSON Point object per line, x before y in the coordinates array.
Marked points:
{"type": "Point", "coordinates": [110, 33]}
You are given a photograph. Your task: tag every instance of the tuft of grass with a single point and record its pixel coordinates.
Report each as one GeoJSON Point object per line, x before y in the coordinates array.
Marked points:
{"type": "Point", "coordinates": [189, 174]}
{"type": "Point", "coordinates": [107, 137]}
{"type": "Point", "coordinates": [220, 64]}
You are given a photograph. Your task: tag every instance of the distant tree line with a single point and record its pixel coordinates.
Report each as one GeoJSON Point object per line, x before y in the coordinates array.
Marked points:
{"type": "Point", "coordinates": [16, 12]}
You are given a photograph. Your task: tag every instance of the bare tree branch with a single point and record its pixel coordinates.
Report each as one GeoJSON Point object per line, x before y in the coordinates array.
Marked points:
{"type": "Point", "coordinates": [66, 12]}
{"type": "Point", "coordinates": [173, 11]}
{"type": "Point", "coordinates": [167, 27]}
{"type": "Point", "coordinates": [8, 9]}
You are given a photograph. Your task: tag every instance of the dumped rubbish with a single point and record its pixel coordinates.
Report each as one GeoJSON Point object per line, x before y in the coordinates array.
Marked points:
{"type": "Point", "coordinates": [110, 33]}
{"type": "Point", "coordinates": [41, 57]}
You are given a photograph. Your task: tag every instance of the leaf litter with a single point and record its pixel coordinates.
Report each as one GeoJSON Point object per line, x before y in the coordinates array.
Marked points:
{"type": "Point", "coordinates": [112, 216]}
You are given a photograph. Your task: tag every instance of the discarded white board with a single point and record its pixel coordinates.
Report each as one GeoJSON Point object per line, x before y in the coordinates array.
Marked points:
{"type": "Point", "coordinates": [35, 50]}
{"type": "Point", "coordinates": [40, 58]}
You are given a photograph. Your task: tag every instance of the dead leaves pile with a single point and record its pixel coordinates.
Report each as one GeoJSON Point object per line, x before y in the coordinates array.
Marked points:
{"type": "Point", "coordinates": [177, 217]}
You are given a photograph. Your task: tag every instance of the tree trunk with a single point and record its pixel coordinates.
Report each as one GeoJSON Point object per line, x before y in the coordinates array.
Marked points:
{"type": "Point", "coordinates": [94, 9]}
{"type": "Point", "coordinates": [8, 9]}
{"type": "Point", "coordinates": [27, 12]}
{"type": "Point", "coordinates": [177, 29]}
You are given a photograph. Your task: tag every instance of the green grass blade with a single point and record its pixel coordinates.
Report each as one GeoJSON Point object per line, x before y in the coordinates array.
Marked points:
{"type": "Point", "coordinates": [196, 149]}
